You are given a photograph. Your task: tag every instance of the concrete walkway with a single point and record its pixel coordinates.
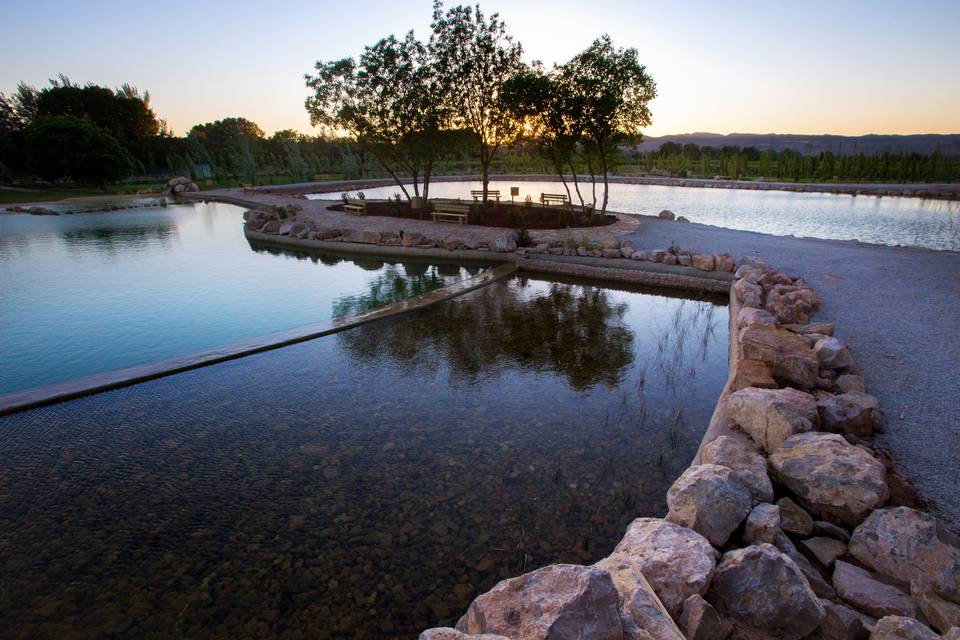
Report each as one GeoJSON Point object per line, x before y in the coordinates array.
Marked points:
{"type": "Point", "coordinates": [899, 310]}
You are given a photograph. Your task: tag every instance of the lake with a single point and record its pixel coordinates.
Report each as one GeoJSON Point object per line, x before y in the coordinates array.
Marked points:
{"type": "Point", "coordinates": [94, 292]}
{"type": "Point", "coordinates": [934, 224]}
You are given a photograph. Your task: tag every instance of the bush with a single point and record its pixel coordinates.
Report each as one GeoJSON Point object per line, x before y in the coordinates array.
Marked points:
{"type": "Point", "coordinates": [64, 147]}
{"type": "Point", "coordinates": [523, 238]}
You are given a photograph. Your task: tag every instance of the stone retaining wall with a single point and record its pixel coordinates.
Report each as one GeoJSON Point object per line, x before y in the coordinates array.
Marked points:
{"type": "Point", "coordinates": [789, 524]}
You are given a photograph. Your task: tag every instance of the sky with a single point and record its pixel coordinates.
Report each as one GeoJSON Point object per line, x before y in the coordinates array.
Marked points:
{"type": "Point", "coordinates": [844, 67]}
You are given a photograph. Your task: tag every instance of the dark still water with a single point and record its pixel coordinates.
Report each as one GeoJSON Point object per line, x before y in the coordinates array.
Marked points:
{"type": "Point", "coordinates": [363, 485]}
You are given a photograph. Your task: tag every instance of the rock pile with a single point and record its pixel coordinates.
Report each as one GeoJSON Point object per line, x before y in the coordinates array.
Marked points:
{"type": "Point", "coordinates": [179, 185]}
{"type": "Point", "coordinates": [836, 557]}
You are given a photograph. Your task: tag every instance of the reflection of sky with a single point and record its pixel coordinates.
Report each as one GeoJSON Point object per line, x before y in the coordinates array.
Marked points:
{"type": "Point", "coordinates": [93, 292]}
{"type": "Point", "coordinates": [910, 221]}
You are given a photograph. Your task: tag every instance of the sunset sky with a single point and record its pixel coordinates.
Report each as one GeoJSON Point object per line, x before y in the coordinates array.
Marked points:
{"type": "Point", "coordinates": [842, 67]}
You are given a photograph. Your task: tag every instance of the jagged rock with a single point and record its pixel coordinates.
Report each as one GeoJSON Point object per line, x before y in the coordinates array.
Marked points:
{"type": "Point", "coordinates": [789, 355]}
{"type": "Point", "coordinates": [865, 592]}
{"type": "Point", "coordinates": [412, 239]}
{"type": "Point", "coordinates": [770, 416]}
{"type": "Point", "coordinates": [753, 373]}
{"type": "Point", "coordinates": [830, 477]}
{"type": "Point", "coordinates": [833, 353]}
{"type": "Point", "coordinates": [822, 528]}
{"type": "Point", "coordinates": [364, 237]}
{"type": "Point", "coordinates": [793, 518]}
{"type": "Point", "coordinates": [748, 293]}
{"type": "Point", "coordinates": [738, 452]}
{"type": "Point", "coordinates": [503, 244]}
{"type": "Point", "coordinates": [904, 544]}
{"type": "Point", "coordinates": [748, 316]}
{"type": "Point", "coordinates": [709, 499]}
{"type": "Point", "coordinates": [901, 628]}
{"type": "Point", "coordinates": [851, 382]}
{"type": "Point", "coordinates": [825, 550]}
{"type": "Point", "coordinates": [787, 308]}
{"type": "Point", "coordinates": [824, 328]}
{"type": "Point", "coordinates": [724, 262]}
{"type": "Point", "coordinates": [942, 614]}
{"type": "Point", "coordinates": [642, 615]}
{"type": "Point", "coordinates": [851, 412]}
{"type": "Point", "coordinates": [761, 588]}
{"type": "Point", "coordinates": [820, 586]}
{"type": "Point", "coordinates": [704, 262]}
{"type": "Point", "coordinates": [763, 524]}
{"type": "Point", "coordinates": [841, 623]}
{"type": "Point", "coordinates": [557, 602]}
{"type": "Point", "coordinates": [666, 214]}
{"type": "Point", "coordinates": [700, 621]}
{"type": "Point", "coordinates": [449, 633]}
{"type": "Point", "coordinates": [676, 561]}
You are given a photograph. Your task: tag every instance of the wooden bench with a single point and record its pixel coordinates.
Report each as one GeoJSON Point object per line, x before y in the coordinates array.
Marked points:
{"type": "Point", "coordinates": [477, 194]}
{"type": "Point", "coordinates": [547, 199]}
{"type": "Point", "coordinates": [355, 206]}
{"type": "Point", "coordinates": [450, 212]}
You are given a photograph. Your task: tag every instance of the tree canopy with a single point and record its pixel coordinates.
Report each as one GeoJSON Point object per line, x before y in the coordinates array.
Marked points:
{"type": "Point", "coordinates": [75, 148]}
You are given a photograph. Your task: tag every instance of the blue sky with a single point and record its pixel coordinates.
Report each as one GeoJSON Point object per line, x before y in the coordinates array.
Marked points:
{"type": "Point", "coordinates": [846, 67]}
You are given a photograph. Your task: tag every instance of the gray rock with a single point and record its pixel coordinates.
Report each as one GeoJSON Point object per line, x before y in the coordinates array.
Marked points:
{"type": "Point", "coordinates": [503, 244]}
{"type": "Point", "coordinates": [942, 615]}
{"type": "Point", "coordinates": [789, 356]}
{"type": "Point", "coordinates": [826, 550]}
{"type": "Point", "coordinates": [865, 592]}
{"type": "Point", "coordinates": [841, 623]}
{"type": "Point", "coordinates": [901, 628]}
{"type": "Point", "coordinates": [642, 615]}
{"type": "Point", "coordinates": [820, 586]}
{"type": "Point", "coordinates": [762, 589]}
{"type": "Point", "coordinates": [676, 561]}
{"type": "Point", "coordinates": [833, 353]}
{"type": "Point", "coordinates": [770, 416]}
{"type": "Point", "coordinates": [700, 621]}
{"type": "Point", "coordinates": [611, 253]}
{"type": "Point", "coordinates": [851, 412]}
{"type": "Point", "coordinates": [822, 528]}
{"type": "Point", "coordinates": [738, 452]}
{"type": "Point", "coordinates": [763, 524]}
{"type": "Point", "coordinates": [831, 478]}
{"type": "Point", "coordinates": [709, 499]}
{"type": "Point", "coordinates": [557, 602]}
{"type": "Point", "coordinates": [793, 518]}
{"type": "Point", "coordinates": [850, 382]}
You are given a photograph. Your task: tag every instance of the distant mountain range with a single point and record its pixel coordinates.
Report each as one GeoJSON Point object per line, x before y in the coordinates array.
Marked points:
{"type": "Point", "coordinates": [872, 144]}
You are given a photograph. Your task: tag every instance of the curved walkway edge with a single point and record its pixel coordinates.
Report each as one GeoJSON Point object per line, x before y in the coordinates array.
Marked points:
{"type": "Point", "coordinates": [89, 385]}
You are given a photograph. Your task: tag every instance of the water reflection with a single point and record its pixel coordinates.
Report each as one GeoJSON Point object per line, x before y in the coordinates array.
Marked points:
{"type": "Point", "coordinates": [119, 238]}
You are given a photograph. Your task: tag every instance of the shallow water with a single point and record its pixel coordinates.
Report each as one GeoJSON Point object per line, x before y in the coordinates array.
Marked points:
{"type": "Point", "coordinates": [363, 485]}
{"type": "Point", "coordinates": [934, 224]}
{"type": "Point", "coordinates": [93, 292]}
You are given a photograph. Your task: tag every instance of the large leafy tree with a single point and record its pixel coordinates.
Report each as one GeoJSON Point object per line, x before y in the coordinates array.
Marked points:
{"type": "Point", "coordinates": [612, 91]}
{"type": "Point", "coordinates": [229, 144]}
{"type": "Point", "coordinates": [476, 57]}
{"type": "Point", "coordinates": [391, 100]}
{"type": "Point", "coordinates": [65, 147]}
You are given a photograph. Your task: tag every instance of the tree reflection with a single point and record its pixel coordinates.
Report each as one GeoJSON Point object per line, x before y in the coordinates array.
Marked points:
{"type": "Point", "coordinates": [394, 285]}
{"type": "Point", "coordinates": [110, 238]}
{"type": "Point", "coordinates": [571, 330]}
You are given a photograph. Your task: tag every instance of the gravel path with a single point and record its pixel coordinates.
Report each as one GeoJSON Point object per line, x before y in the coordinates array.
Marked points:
{"type": "Point", "coordinates": [899, 310]}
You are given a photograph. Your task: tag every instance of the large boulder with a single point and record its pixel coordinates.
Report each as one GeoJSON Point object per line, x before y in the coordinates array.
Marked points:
{"type": "Point", "coordinates": [770, 416]}
{"type": "Point", "coordinates": [831, 478]}
{"type": "Point", "coordinates": [676, 561]}
{"type": "Point", "coordinates": [851, 412]}
{"type": "Point", "coordinates": [789, 356]}
{"type": "Point", "coordinates": [865, 592]}
{"type": "Point", "coordinates": [557, 602]}
{"type": "Point", "coordinates": [750, 294]}
{"type": "Point", "coordinates": [642, 615]}
{"type": "Point", "coordinates": [711, 500]}
{"type": "Point", "coordinates": [700, 621]}
{"type": "Point", "coordinates": [904, 545]}
{"type": "Point", "coordinates": [704, 261]}
{"type": "Point", "coordinates": [753, 373]}
{"type": "Point", "coordinates": [725, 263]}
{"type": "Point", "coordinates": [449, 633]}
{"type": "Point", "coordinates": [901, 628]}
{"type": "Point", "coordinates": [738, 452]}
{"type": "Point", "coordinates": [761, 588]}
{"type": "Point", "coordinates": [749, 315]}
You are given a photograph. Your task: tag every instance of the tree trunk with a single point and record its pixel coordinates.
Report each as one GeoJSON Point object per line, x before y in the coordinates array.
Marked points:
{"type": "Point", "coordinates": [606, 181]}
{"type": "Point", "coordinates": [576, 184]}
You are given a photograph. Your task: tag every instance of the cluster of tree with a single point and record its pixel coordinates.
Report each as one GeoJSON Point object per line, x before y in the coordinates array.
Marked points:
{"type": "Point", "coordinates": [789, 165]}
{"type": "Point", "coordinates": [406, 101]}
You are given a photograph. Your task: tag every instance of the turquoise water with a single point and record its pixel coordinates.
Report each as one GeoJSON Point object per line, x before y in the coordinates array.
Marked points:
{"type": "Point", "coordinates": [362, 485]}
{"type": "Point", "coordinates": [934, 224]}
{"type": "Point", "coordinates": [93, 292]}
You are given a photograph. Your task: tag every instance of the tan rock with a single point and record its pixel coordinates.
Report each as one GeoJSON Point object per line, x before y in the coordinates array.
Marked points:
{"type": "Point", "coordinates": [825, 550]}
{"type": "Point", "coordinates": [793, 518]}
{"type": "Point", "coordinates": [824, 328]}
{"type": "Point", "coordinates": [557, 602]}
{"type": "Point", "coordinates": [763, 524]}
{"type": "Point", "coordinates": [851, 412]}
{"type": "Point", "coordinates": [865, 592]}
{"type": "Point", "coordinates": [704, 262]}
{"type": "Point", "coordinates": [676, 561]}
{"type": "Point", "coordinates": [770, 416]}
{"type": "Point", "coordinates": [819, 585]}
{"type": "Point", "coordinates": [725, 262]}
{"type": "Point", "coordinates": [901, 628]}
{"type": "Point", "coordinates": [748, 293]}
{"type": "Point", "coordinates": [711, 500]}
{"type": "Point", "coordinates": [830, 477]}
{"type": "Point", "coordinates": [904, 544]}
{"type": "Point", "coordinates": [789, 356]}
{"type": "Point", "coordinates": [749, 315]}
{"type": "Point", "coordinates": [952, 634]}
{"type": "Point", "coordinates": [700, 621]}
{"type": "Point", "coordinates": [642, 615]}
{"type": "Point", "coordinates": [449, 633]}
{"type": "Point", "coordinates": [761, 588]}
{"type": "Point", "coordinates": [833, 353]}
{"type": "Point", "coordinates": [738, 452]}
{"type": "Point", "coordinates": [753, 373]}
{"type": "Point", "coordinates": [942, 615]}
{"type": "Point", "coordinates": [851, 382]}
